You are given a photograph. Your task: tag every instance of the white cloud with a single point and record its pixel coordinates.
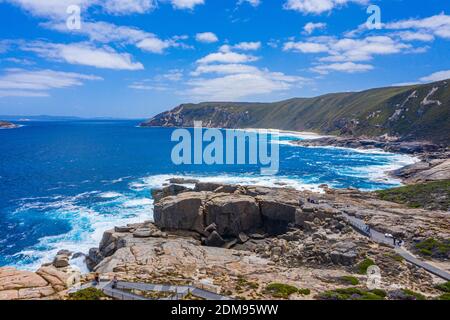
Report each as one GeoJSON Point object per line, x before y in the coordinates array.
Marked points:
{"type": "Point", "coordinates": [415, 36]}
{"type": "Point", "coordinates": [438, 25]}
{"type": "Point", "coordinates": [242, 46]}
{"type": "Point", "coordinates": [206, 37]}
{"type": "Point", "coordinates": [311, 26]}
{"type": "Point", "coordinates": [186, 4]}
{"type": "Point", "coordinates": [224, 69]}
{"type": "Point", "coordinates": [347, 49]}
{"type": "Point", "coordinates": [437, 76]}
{"type": "Point", "coordinates": [173, 75]}
{"type": "Point", "coordinates": [124, 7]}
{"type": "Point", "coordinates": [84, 54]}
{"type": "Point", "coordinates": [227, 57]}
{"type": "Point", "coordinates": [147, 87]}
{"type": "Point", "coordinates": [226, 76]}
{"type": "Point", "coordinates": [57, 9]}
{"type": "Point", "coordinates": [317, 6]}
{"type": "Point", "coordinates": [153, 45]}
{"type": "Point", "coordinates": [110, 33]}
{"type": "Point", "coordinates": [24, 83]}
{"type": "Point", "coordinates": [305, 47]}
{"type": "Point", "coordinates": [248, 46]}
{"type": "Point", "coordinates": [347, 67]}
{"type": "Point", "coordinates": [240, 85]}
{"type": "Point", "coordinates": [253, 3]}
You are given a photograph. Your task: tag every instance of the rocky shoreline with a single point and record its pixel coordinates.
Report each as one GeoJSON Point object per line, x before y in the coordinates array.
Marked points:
{"type": "Point", "coordinates": [8, 125]}
{"type": "Point", "coordinates": [434, 161]}
{"type": "Point", "coordinates": [240, 239]}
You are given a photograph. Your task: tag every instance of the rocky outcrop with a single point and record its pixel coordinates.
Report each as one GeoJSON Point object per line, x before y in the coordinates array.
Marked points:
{"type": "Point", "coordinates": [243, 210]}
{"type": "Point", "coordinates": [425, 171]}
{"type": "Point", "coordinates": [232, 214]}
{"type": "Point", "coordinates": [8, 125]}
{"type": "Point", "coordinates": [26, 285]}
{"type": "Point", "coordinates": [183, 212]}
{"type": "Point", "coordinates": [171, 190]}
{"type": "Point", "coordinates": [389, 145]}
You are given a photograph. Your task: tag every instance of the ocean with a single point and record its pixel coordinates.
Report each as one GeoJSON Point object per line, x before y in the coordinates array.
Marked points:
{"type": "Point", "coordinates": [62, 184]}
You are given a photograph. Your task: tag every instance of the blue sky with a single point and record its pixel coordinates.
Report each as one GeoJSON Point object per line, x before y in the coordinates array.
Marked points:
{"type": "Point", "coordinates": [136, 58]}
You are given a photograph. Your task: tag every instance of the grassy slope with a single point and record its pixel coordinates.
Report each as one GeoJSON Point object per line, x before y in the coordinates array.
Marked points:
{"type": "Point", "coordinates": [433, 195]}
{"type": "Point", "coordinates": [339, 113]}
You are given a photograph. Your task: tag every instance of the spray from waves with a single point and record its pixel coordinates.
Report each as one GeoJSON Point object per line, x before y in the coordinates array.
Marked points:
{"type": "Point", "coordinates": [380, 173]}
{"type": "Point", "coordinates": [110, 195]}
{"type": "Point", "coordinates": [157, 181]}
{"type": "Point", "coordinates": [88, 220]}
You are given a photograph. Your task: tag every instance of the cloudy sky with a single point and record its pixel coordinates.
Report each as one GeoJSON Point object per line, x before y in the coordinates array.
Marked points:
{"type": "Point", "coordinates": [136, 58]}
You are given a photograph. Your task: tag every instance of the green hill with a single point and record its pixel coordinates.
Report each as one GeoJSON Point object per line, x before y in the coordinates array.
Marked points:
{"type": "Point", "coordinates": [418, 112]}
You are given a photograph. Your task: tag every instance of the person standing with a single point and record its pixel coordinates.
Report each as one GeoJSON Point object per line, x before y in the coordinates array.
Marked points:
{"type": "Point", "coordinates": [114, 282]}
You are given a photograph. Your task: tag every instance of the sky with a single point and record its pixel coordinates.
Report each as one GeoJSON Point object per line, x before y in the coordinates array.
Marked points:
{"type": "Point", "coordinates": [137, 58]}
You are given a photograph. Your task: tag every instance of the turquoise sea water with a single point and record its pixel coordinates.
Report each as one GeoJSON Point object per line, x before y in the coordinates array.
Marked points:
{"type": "Point", "coordinates": [62, 184]}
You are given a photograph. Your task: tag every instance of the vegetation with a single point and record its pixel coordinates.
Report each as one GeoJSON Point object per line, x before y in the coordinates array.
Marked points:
{"type": "Point", "coordinates": [88, 294]}
{"type": "Point", "coordinates": [283, 291]}
{"type": "Point", "coordinates": [434, 248]}
{"type": "Point", "coordinates": [350, 280]}
{"type": "Point", "coordinates": [396, 257]}
{"type": "Point", "coordinates": [445, 296]}
{"type": "Point", "coordinates": [412, 295]}
{"type": "Point", "coordinates": [445, 287]}
{"type": "Point", "coordinates": [369, 113]}
{"type": "Point", "coordinates": [352, 294]}
{"type": "Point", "coordinates": [364, 265]}
{"type": "Point", "coordinates": [434, 195]}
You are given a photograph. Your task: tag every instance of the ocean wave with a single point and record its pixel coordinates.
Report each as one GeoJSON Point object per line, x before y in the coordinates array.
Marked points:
{"type": "Point", "coordinates": [110, 195]}
{"type": "Point", "coordinates": [157, 181]}
{"type": "Point", "coordinates": [88, 221]}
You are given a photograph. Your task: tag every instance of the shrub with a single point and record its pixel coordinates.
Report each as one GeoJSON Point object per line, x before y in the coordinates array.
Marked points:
{"type": "Point", "coordinates": [280, 290]}
{"type": "Point", "coordinates": [411, 295]}
{"type": "Point", "coordinates": [434, 195]}
{"type": "Point", "coordinates": [379, 292]}
{"type": "Point", "coordinates": [87, 294]}
{"type": "Point", "coordinates": [304, 292]}
{"type": "Point", "coordinates": [350, 280]}
{"type": "Point", "coordinates": [445, 287]}
{"type": "Point", "coordinates": [351, 294]}
{"type": "Point", "coordinates": [364, 265]}
{"type": "Point", "coordinates": [445, 296]}
{"type": "Point", "coordinates": [434, 247]}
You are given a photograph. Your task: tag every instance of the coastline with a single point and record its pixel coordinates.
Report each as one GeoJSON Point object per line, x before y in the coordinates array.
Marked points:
{"type": "Point", "coordinates": [170, 248]}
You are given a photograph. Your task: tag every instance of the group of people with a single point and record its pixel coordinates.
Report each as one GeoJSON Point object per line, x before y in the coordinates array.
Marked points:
{"type": "Point", "coordinates": [397, 242]}
{"type": "Point", "coordinates": [96, 281]}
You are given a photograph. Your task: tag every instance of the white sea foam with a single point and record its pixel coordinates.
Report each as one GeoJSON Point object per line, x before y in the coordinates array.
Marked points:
{"type": "Point", "coordinates": [158, 181]}
{"type": "Point", "coordinates": [87, 225]}
{"type": "Point", "coordinates": [137, 203]}
{"type": "Point", "coordinates": [110, 195]}
{"type": "Point", "coordinates": [302, 135]}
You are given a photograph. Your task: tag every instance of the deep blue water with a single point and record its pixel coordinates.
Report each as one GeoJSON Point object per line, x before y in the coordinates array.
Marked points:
{"type": "Point", "coordinates": [63, 183]}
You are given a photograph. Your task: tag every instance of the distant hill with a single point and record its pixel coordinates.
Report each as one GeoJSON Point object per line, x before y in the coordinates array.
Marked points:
{"type": "Point", "coordinates": [417, 112]}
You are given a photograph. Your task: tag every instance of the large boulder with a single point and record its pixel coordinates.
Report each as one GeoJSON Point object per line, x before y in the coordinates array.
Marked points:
{"type": "Point", "coordinates": [182, 212]}
{"type": "Point", "coordinates": [57, 279]}
{"type": "Point", "coordinates": [277, 214]}
{"type": "Point", "coordinates": [233, 214]}
{"type": "Point", "coordinates": [214, 240]}
{"type": "Point", "coordinates": [207, 186]}
{"type": "Point", "coordinates": [344, 253]}
{"type": "Point", "coordinates": [12, 279]}
{"type": "Point", "coordinates": [172, 190]}
{"type": "Point", "coordinates": [15, 284]}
